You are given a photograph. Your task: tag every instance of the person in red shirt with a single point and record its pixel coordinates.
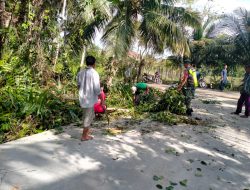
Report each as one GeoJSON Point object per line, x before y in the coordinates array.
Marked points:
{"type": "Point", "coordinates": [100, 106]}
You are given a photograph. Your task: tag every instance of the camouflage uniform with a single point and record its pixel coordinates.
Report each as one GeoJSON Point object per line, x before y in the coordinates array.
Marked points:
{"type": "Point", "coordinates": [188, 92]}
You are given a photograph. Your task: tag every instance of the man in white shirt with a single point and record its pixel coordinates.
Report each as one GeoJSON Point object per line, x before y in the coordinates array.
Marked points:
{"type": "Point", "coordinates": [88, 82]}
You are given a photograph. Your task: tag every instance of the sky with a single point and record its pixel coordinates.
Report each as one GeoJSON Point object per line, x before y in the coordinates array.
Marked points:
{"type": "Point", "coordinates": [220, 6]}
{"type": "Point", "coordinates": [217, 6]}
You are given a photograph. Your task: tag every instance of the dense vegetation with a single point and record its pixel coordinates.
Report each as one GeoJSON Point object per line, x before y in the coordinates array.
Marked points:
{"type": "Point", "coordinates": [43, 44]}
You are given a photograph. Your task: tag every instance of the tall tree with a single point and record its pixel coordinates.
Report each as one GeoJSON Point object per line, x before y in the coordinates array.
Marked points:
{"type": "Point", "coordinates": [242, 30]}
{"type": "Point", "coordinates": [61, 20]}
{"type": "Point", "coordinates": [158, 22]}
{"type": "Point", "coordinates": [84, 18]}
{"type": "Point", "coordinates": [202, 40]}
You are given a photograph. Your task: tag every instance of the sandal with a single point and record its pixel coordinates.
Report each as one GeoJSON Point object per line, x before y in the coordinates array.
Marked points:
{"type": "Point", "coordinates": [87, 138]}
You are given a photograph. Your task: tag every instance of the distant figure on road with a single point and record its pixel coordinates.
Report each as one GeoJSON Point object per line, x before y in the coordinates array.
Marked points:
{"type": "Point", "coordinates": [224, 78]}
{"type": "Point", "coordinates": [157, 78]}
{"type": "Point", "coordinates": [198, 74]}
{"type": "Point", "coordinates": [245, 95]}
{"type": "Point", "coordinates": [186, 86]}
{"type": "Point", "coordinates": [88, 83]}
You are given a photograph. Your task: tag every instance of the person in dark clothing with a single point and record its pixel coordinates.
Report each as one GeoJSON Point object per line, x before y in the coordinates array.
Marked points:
{"type": "Point", "coordinates": [245, 95]}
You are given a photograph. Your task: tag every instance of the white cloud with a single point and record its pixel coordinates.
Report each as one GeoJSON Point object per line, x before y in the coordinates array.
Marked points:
{"type": "Point", "coordinates": [233, 4]}
{"type": "Point", "coordinates": [217, 6]}
{"type": "Point", "coordinates": [222, 6]}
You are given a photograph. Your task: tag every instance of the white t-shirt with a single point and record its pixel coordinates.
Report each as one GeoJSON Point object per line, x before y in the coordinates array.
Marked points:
{"type": "Point", "coordinates": [88, 81]}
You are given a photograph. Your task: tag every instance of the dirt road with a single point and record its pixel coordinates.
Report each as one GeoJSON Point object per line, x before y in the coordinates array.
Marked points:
{"type": "Point", "coordinates": [149, 156]}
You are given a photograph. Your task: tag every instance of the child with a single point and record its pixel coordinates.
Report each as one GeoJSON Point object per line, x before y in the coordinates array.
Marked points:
{"type": "Point", "coordinates": [245, 95]}
{"type": "Point", "coordinates": [100, 106]}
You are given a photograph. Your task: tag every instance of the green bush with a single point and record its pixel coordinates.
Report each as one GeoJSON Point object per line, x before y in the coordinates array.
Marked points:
{"type": "Point", "coordinates": [166, 117]}
{"type": "Point", "coordinates": [25, 111]}
{"type": "Point", "coordinates": [163, 107]}
{"type": "Point", "coordinates": [171, 101]}
{"type": "Point", "coordinates": [120, 95]}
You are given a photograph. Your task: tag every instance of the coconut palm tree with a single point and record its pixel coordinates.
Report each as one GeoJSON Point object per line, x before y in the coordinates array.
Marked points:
{"type": "Point", "coordinates": [241, 26]}
{"type": "Point", "coordinates": [83, 20]}
{"type": "Point", "coordinates": [210, 40]}
{"type": "Point", "coordinates": [205, 30]}
{"type": "Point", "coordinates": [158, 23]}
{"type": "Point", "coordinates": [202, 41]}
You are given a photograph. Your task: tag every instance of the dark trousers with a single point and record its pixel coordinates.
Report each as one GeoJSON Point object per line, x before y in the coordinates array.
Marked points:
{"type": "Point", "coordinates": [244, 98]}
{"type": "Point", "coordinates": [223, 85]}
{"type": "Point", "coordinates": [193, 91]}
{"type": "Point", "coordinates": [187, 92]}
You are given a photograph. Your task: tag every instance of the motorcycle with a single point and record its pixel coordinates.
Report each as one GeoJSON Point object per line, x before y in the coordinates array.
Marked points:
{"type": "Point", "coordinates": [202, 83]}
{"type": "Point", "coordinates": [147, 78]}
{"type": "Point", "coordinates": [157, 80]}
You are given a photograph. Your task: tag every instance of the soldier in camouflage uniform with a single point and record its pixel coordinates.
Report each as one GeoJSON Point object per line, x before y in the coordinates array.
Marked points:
{"type": "Point", "coordinates": [186, 86]}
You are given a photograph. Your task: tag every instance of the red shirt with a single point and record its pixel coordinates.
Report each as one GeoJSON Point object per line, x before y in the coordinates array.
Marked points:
{"type": "Point", "coordinates": [185, 74]}
{"type": "Point", "coordinates": [98, 107]}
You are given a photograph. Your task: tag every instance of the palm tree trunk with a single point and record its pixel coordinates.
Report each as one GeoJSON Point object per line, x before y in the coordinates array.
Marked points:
{"type": "Point", "coordinates": [111, 71]}
{"type": "Point", "coordinates": [56, 53]}
{"type": "Point", "coordinates": [2, 25]}
{"type": "Point", "coordinates": [141, 65]}
{"type": "Point", "coordinates": [58, 45]}
{"type": "Point", "coordinates": [83, 56]}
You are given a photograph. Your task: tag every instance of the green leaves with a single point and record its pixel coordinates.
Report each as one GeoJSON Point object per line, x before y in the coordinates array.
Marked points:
{"type": "Point", "coordinates": [154, 23]}
{"type": "Point", "coordinates": [169, 188]}
{"type": "Point", "coordinates": [163, 107]}
{"type": "Point", "coordinates": [198, 172]}
{"type": "Point", "coordinates": [159, 186]}
{"type": "Point", "coordinates": [170, 150]}
{"type": "Point", "coordinates": [171, 101]}
{"type": "Point", "coordinates": [120, 95]}
{"type": "Point", "coordinates": [204, 163]}
{"type": "Point", "coordinates": [171, 183]}
{"type": "Point", "coordinates": [22, 110]}
{"type": "Point", "coordinates": [183, 182]}
{"type": "Point", "coordinates": [157, 178]}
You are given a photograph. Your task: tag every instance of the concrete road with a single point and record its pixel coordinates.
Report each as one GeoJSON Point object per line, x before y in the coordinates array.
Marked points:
{"type": "Point", "coordinates": [211, 157]}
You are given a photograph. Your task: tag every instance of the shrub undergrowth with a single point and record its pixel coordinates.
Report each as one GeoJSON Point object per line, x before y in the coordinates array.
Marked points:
{"type": "Point", "coordinates": [160, 106]}
{"type": "Point", "coordinates": [26, 111]}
